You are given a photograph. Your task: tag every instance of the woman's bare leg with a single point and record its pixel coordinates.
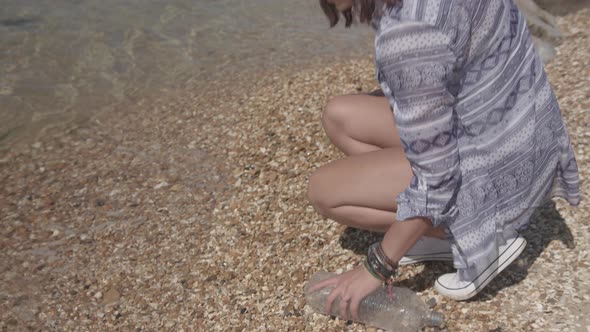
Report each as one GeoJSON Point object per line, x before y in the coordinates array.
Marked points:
{"type": "Point", "coordinates": [359, 191]}
{"type": "Point", "coordinates": [360, 123]}
{"type": "Point", "coordinates": [355, 191]}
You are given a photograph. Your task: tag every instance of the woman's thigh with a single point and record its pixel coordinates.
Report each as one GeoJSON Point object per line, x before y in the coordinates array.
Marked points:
{"type": "Point", "coordinates": [362, 117]}
{"type": "Point", "coordinates": [373, 180]}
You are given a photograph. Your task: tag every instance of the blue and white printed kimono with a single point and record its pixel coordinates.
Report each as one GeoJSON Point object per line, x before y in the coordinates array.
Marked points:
{"type": "Point", "coordinates": [479, 121]}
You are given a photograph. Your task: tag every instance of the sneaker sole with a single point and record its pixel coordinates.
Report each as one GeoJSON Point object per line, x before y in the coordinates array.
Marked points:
{"type": "Point", "coordinates": [506, 258]}
{"type": "Point", "coordinates": [441, 256]}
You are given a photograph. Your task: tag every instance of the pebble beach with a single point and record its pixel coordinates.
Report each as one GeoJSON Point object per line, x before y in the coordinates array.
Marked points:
{"type": "Point", "coordinates": [189, 213]}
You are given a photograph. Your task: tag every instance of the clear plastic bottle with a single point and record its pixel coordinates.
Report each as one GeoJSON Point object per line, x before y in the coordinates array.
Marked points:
{"type": "Point", "coordinates": [407, 313]}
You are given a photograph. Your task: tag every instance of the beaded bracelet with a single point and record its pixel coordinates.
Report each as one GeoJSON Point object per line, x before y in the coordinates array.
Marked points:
{"type": "Point", "coordinates": [379, 264]}
{"type": "Point", "coordinates": [388, 261]}
{"type": "Point", "coordinates": [373, 273]}
{"type": "Point", "coordinates": [378, 251]}
{"type": "Point", "coordinates": [381, 267]}
{"type": "Point", "coordinates": [377, 267]}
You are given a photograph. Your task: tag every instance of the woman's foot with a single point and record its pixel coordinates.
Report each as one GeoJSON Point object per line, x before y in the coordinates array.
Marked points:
{"type": "Point", "coordinates": [452, 287]}
{"type": "Point", "coordinates": [428, 249]}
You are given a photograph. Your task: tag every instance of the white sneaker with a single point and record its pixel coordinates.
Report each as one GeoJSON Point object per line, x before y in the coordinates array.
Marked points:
{"type": "Point", "coordinates": [450, 286]}
{"type": "Point", "coordinates": [428, 249]}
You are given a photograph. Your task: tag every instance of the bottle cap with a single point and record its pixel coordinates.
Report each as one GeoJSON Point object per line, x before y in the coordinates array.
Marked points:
{"type": "Point", "coordinates": [435, 319]}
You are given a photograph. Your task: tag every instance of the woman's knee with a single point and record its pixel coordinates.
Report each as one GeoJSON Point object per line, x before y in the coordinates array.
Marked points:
{"type": "Point", "coordinates": [335, 114]}
{"type": "Point", "coordinates": [317, 193]}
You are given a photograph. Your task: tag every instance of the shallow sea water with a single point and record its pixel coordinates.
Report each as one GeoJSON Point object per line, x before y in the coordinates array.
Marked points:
{"type": "Point", "coordinates": [64, 60]}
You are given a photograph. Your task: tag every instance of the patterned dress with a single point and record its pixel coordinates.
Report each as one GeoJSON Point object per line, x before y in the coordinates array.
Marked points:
{"type": "Point", "coordinates": [479, 121]}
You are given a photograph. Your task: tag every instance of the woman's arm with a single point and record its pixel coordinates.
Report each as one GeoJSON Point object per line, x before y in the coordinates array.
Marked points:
{"type": "Point", "coordinates": [416, 62]}
{"type": "Point", "coordinates": [401, 236]}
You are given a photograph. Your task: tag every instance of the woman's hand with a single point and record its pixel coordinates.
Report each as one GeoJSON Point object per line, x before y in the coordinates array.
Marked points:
{"type": "Point", "coordinates": [352, 287]}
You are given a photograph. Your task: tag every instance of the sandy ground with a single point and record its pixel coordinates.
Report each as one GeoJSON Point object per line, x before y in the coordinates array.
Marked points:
{"type": "Point", "coordinates": [189, 214]}
{"type": "Point", "coordinates": [563, 7]}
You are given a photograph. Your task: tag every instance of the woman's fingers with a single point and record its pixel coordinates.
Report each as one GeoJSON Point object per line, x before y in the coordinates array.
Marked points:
{"type": "Point", "coordinates": [330, 299]}
{"type": "Point", "coordinates": [343, 307]}
{"type": "Point", "coordinates": [351, 287]}
{"type": "Point", "coordinates": [354, 309]}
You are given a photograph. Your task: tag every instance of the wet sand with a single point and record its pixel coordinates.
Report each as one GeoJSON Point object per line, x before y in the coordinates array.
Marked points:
{"type": "Point", "coordinates": [189, 214]}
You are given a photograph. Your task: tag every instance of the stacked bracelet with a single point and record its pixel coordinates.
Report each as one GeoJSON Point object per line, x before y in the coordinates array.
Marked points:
{"type": "Point", "coordinates": [373, 273]}
{"type": "Point", "coordinates": [381, 254]}
{"type": "Point", "coordinates": [378, 264]}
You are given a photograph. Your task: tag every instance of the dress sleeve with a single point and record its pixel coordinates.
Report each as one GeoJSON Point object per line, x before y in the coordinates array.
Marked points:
{"type": "Point", "coordinates": [415, 66]}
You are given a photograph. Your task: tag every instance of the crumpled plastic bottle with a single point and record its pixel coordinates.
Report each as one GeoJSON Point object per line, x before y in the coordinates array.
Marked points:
{"type": "Point", "coordinates": [406, 313]}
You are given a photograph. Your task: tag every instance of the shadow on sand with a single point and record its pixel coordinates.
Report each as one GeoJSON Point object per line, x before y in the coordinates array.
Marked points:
{"type": "Point", "coordinates": [563, 7]}
{"type": "Point", "coordinates": [546, 225]}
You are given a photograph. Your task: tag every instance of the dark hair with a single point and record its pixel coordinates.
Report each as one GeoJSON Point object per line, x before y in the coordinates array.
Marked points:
{"type": "Point", "coordinates": [365, 8]}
